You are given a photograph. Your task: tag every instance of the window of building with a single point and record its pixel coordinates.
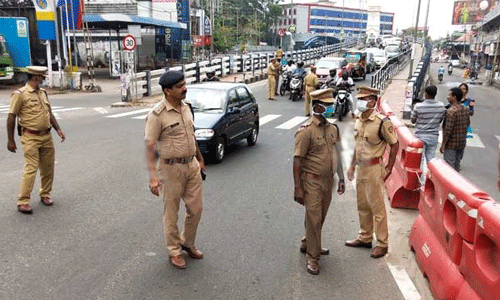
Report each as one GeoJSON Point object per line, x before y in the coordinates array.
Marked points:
{"type": "Point", "coordinates": [294, 11]}
{"type": "Point", "coordinates": [290, 11]}
{"type": "Point", "coordinates": [284, 11]}
{"type": "Point", "coordinates": [285, 22]}
{"type": "Point", "coordinates": [295, 21]}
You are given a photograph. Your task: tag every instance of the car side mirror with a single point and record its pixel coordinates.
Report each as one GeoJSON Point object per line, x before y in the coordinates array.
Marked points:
{"type": "Point", "coordinates": [235, 110]}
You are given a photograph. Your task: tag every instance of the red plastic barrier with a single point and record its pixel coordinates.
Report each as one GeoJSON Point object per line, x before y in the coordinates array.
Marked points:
{"type": "Point", "coordinates": [385, 109]}
{"type": "Point", "coordinates": [481, 261]}
{"type": "Point", "coordinates": [445, 280]}
{"type": "Point", "coordinates": [403, 185]}
{"type": "Point", "coordinates": [449, 204]}
{"type": "Point", "coordinates": [467, 293]}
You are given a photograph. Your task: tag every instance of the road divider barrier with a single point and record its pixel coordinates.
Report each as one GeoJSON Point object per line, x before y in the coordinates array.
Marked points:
{"type": "Point", "coordinates": [403, 185]}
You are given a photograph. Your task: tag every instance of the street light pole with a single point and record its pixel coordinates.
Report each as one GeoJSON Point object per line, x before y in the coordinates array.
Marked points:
{"type": "Point", "coordinates": [291, 33]}
{"type": "Point", "coordinates": [415, 41]}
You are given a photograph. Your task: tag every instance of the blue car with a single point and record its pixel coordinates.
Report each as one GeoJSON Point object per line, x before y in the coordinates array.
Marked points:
{"type": "Point", "coordinates": [224, 113]}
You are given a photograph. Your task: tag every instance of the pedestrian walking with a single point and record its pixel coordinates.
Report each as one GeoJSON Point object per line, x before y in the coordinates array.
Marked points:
{"type": "Point", "coordinates": [30, 104]}
{"type": "Point", "coordinates": [469, 103]}
{"type": "Point", "coordinates": [427, 117]}
{"type": "Point", "coordinates": [455, 130]}
{"type": "Point", "coordinates": [311, 82]}
{"type": "Point", "coordinates": [170, 129]}
{"type": "Point", "coordinates": [372, 133]}
{"type": "Point", "coordinates": [271, 79]}
{"type": "Point", "coordinates": [317, 157]}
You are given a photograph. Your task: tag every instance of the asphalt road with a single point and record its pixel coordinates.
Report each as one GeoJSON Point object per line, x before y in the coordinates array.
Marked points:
{"type": "Point", "coordinates": [103, 238]}
{"type": "Point", "coordinates": [479, 164]}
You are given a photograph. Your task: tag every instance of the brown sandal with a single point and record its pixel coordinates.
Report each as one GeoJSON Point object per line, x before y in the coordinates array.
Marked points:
{"type": "Point", "coordinates": [46, 200]}
{"type": "Point", "coordinates": [25, 208]}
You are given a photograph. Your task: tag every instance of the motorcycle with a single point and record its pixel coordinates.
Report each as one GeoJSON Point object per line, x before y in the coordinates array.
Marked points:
{"type": "Point", "coordinates": [473, 74]}
{"type": "Point", "coordinates": [450, 69]}
{"type": "Point", "coordinates": [285, 83]}
{"type": "Point", "coordinates": [296, 87]}
{"type": "Point", "coordinates": [341, 103]}
{"type": "Point", "coordinates": [440, 77]}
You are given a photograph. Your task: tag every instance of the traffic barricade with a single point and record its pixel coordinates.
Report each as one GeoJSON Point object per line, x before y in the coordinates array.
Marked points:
{"type": "Point", "coordinates": [403, 185]}
{"type": "Point", "coordinates": [449, 204]}
{"type": "Point", "coordinates": [445, 280]}
{"type": "Point", "coordinates": [385, 109]}
{"type": "Point", "coordinates": [467, 293]}
{"type": "Point", "coordinates": [480, 263]}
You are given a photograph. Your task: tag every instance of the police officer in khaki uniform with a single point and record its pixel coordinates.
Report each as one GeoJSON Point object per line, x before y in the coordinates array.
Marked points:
{"type": "Point", "coordinates": [317, 157]}
{"type": "Point", "coordinates": [31, 105]}
{"type": "Point", "coordinates": [271, 79]}
{"type": "Point", "coordinates": [372, 132]}
{"type": "Point", "coordinates": [170, 129]}
{"type": "Point", "coordinates": [311, 83]}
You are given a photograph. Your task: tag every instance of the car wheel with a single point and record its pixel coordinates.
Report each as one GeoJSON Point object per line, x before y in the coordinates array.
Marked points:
{"type": "Point", "coordinates": [252, 138]}
{"type": "Point", "coordinates": [220, 150]}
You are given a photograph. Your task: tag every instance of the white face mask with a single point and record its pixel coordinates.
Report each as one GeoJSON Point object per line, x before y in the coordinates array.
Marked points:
{"type": "Point", "coordinates": [362, 105]}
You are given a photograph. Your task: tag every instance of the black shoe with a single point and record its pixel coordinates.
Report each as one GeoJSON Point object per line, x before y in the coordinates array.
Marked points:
{"type": "Point", "coordinates": [324, 251]}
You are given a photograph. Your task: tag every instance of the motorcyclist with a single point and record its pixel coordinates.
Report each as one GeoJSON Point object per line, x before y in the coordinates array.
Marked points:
{"type": "Point", "coordinates": [450, 68]}
{"type": "Point", "coordinates": [346, 82]}
{"type": "Point", "coordinates": [289, 67]}
{"type": "Point", "coordinates": [300, 69]}
{"type": "Point", "coordinates": [441, 70]}
{"type": "Point", "coordinates": [211, 76]}
{"type": "Point", "coordinates": [331, 79]}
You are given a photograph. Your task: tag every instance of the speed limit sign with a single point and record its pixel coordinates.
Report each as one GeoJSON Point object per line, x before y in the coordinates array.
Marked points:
{"type": "Point", "coordinates": [129, 43]}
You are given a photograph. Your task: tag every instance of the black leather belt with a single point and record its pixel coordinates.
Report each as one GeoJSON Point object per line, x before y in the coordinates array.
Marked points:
{"type": "Point", "coordinates": [182, 160]}
{"type": "Point", "coordinates": [41, 132]}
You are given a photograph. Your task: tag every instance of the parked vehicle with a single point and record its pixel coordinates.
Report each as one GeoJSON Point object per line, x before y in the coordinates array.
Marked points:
{"type": "Point", "coordinates": [296, 87]}
{"type": "Point", "coordinates": [224, 113]}
{"type": "Point", "coordinates": [15, 51]}
{"type": "Point", "coordinates": [379, 57]}
{"type": "Point", "coordinates": [357, 61]}
{"type": "Point", "coordinates": [392, 51]}
{"type": "Point", "coordinates": [324, 65]}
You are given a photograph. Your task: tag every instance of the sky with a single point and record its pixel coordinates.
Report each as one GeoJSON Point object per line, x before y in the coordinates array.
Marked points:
{"type": "Point", "coordinates": [440, 13]}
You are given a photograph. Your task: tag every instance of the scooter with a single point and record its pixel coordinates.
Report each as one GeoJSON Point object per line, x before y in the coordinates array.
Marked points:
{"type": "Point", "coordinates": [450, 69]}
{"type": "Point", "coordinates": [296, 87]}
{"type": "Point", "coordinates": [440, 77]}
{"type": "Point", "coordinates": [285, 83]}
{"type": "Point", "coordinates": [341, 103]}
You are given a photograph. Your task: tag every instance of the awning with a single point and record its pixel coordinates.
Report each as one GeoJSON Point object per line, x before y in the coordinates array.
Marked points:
{"type": "Point", "coordinates": [118, 21]}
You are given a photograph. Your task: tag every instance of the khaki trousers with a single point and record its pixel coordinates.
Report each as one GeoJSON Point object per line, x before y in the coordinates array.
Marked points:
{"type": "Point", "coordinates": [181, 181]}
{"type": "Point", "coordinates": [307, 103]}
{"type": "Point", "coordinates": [370, 192]}
{"type": "Point", "coordinates": [317, 198]}
{"type": "Point", "coordinates": [39, 152]}
{"type": "Point", "coordinates": [272, 84]}
{"type": "Point", "coordinates": [276, 84]}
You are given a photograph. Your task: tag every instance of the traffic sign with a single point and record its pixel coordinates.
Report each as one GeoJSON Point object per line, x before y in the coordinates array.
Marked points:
{"type": "Point", "coordinates": [129, 43]}
{"type": "Point", "coordinates": [292, 28]}
{"type": "Point", "coordinates": [281, 32]}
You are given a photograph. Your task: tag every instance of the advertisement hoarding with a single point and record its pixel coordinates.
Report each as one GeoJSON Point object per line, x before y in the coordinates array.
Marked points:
{"type": "Point", "coordinates": [471, 11]}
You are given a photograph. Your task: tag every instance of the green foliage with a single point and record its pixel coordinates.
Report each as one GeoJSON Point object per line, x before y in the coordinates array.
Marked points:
{"type": "Point", "coordinates": [224, 37]}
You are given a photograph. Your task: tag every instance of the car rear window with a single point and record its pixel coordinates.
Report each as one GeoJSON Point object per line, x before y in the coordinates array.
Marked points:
{"type": "Point", "coordinates": [329, 64]}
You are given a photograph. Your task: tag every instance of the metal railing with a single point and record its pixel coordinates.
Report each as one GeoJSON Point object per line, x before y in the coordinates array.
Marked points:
{"type": "Point", "coordinates": [145, 83]}
{"type": "Point", "coordinates": [382, 77]}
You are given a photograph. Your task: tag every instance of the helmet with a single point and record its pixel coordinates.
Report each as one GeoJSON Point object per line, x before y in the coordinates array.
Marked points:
{"type": "Point", "coordinates": [345, 76]}
{"type": "Point", "coordinates": [333, 72]}
{"type": "Point", "coordinates": [300, 64]}
{"type": "Point", "coordinates": [210, 72]}
{"type": "Point", "coordinates": [290, 62]}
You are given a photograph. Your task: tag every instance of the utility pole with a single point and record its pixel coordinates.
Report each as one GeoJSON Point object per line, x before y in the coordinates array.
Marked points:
{"type": "Point", "coordinates": [291, 34]}
{"type": "Point", "coordinates": [212, 10]}
{"type": "Point", "coordinates": [415, 41]}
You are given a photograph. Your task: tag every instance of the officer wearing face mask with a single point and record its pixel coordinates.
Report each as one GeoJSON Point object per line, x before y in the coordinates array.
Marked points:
{"type": "Point", "coordinates": [372, 133]}
{"type": "Point", "coordinates": [317, 157]}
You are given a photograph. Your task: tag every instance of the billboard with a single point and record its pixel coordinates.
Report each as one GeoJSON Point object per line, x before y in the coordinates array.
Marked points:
{"type": "Point", "coordinates": [471, 11]}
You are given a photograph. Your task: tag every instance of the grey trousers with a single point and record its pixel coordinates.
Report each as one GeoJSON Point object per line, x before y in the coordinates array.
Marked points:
{"type": "Point", "coordinates": [453, 158]}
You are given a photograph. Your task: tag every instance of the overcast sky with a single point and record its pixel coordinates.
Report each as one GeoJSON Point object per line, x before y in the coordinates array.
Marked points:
{"type": "Point", "coordinates": [440, 13]}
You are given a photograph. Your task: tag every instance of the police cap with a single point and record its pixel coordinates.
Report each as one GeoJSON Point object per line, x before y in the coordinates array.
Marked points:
{"type": "Point", "coordinates": [365, 91]}
{"type": "Point", "coordinates": [324, 95]}
{"type": "Point", "coordinates": [37, 70]}
{"type": "Point", "coordinates": [171, 78]}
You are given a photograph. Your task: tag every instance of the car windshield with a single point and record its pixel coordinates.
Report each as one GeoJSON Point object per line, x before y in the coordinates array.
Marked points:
{"type": "Point", "coordinates": [329, 64]}
{"type": "Point", "coordinates": [353, 57]}
{"type": "Point", "coordinates": [392, 49]}
{"type": "Point", "coordinates": [206, 99]}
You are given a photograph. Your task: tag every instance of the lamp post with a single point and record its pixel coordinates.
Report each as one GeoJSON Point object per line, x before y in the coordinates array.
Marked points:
{"type": "Point", "coordinates": [415, 41]}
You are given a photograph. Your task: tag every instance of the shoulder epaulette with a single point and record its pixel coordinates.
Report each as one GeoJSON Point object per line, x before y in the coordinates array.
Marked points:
{"type": "Point", "coordinates": [158, 108]}
{"type": "Point", "coordinates": [20, 90]}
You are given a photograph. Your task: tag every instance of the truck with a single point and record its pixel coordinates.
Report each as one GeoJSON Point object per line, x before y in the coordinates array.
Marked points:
{"type": "Point", "coordinates": [15, 54]}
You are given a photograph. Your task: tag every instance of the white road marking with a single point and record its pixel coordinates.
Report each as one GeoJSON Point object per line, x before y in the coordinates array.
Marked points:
{"type": "Point", "coordinates": [267, 118]}
{"type": "Point", "coordinates": [134, 112]}
{"type": "Point", "coordinates": [101, 110]}
{"type": "Point", "coordinates": [141, 117]}
{"type": "Point", "coordinates": [292, 123]}
{"type": "Point", "coordinates": [4, 106]}
{"type": "Point", "coordinates": [475, 141]}
{"type": "Point", "coordinates": [66, 109]}
{"type": "Point", "coordinates": [498, 137]}
{"type": "Point", "coordinates": [404, 283]}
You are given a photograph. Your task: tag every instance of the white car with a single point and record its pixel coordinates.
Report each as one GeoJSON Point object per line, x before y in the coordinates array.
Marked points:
{"type": "Point", "coordinates": [392, 51]}
{"type": "Point", "coordinates": [455, 62]}
{"type": "Point", "coordinates": [379, 56]}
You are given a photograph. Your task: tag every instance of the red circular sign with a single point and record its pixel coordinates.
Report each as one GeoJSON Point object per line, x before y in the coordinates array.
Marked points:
{"type": "Point", "coordinates": [129, 42]}
{"type": "Point", "coordinates": [281, 32]}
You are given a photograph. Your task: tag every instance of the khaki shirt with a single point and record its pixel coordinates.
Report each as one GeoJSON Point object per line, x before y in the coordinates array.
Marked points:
{"type": "Point", "coordinates": [32, 106]}
{"type": "Point", "coordinates": [173, 129]}
{"type": "Point", "coordinates": [368, 143]}
{"type": "Point", "coordinates": [279, 53]}
{"type": "Point", "coordinates": [271, 70]}
{"type": "Point", "coordinates": [311, 80]}
{"type": "Point", "coordinates": [314, 142]}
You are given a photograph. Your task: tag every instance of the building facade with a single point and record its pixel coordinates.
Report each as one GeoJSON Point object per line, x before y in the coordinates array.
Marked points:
{"type": "Point", "coordinates": [332, 20]}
